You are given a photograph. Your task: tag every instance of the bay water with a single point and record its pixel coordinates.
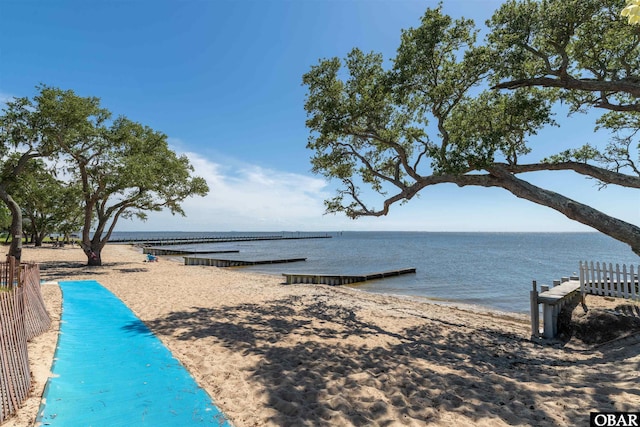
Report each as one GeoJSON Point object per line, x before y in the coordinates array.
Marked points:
{"type": "Point", "coordinates": [490, 270]}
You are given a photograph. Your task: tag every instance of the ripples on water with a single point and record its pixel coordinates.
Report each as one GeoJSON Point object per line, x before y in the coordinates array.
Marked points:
{"type": "Point", "coordinates": [493, 270]}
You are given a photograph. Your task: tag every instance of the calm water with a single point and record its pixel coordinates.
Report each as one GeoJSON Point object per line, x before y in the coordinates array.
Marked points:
{"type": "Point", "coordinates": [493, 270]}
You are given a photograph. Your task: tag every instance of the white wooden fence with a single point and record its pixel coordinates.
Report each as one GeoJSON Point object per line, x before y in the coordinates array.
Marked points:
{"type": "Point", "coordinates": [600, 279]}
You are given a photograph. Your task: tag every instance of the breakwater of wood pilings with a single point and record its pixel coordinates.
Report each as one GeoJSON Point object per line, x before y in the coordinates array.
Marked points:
{"type": "Point", "coordinates": [220, 239]}
{"type": "Point", "coordinates": [342, 279]}
{"type": "Point", "coordinates": [215, 262]}
{"type": "Point", "coordinates": [163, 251]}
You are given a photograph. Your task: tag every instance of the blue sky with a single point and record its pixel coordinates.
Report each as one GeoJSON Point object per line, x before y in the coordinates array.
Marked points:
{"type": "Point", "coordinates": [223, 80]}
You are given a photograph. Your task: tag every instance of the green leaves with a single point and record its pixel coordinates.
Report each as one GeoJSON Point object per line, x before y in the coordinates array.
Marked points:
{"type": "Point", "coordinates": [123, 168]}
{"type": "Point", "coordinates": [382, 124]}
{"type": "Point", "coordinates": [50, 204]}
{"type": "Point", "coordinates": [436, 64]}
{"type": "Point", "coordinates": [583, 47]}
{"type": "Point", "coordinates": [430, 117]}
{"type": "Point", "coordinates": [494, 127]}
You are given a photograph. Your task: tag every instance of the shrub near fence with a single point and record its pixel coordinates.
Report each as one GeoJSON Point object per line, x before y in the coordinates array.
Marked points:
{"type": "Point", "coordinates": [22, 316]}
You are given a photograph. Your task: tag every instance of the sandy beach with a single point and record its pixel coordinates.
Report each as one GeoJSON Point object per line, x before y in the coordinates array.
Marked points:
{"type": "Point", "coordinates": [308, 355]}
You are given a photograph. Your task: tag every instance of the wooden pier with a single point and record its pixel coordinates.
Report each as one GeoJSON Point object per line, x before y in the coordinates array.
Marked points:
{"type": "Point", "coordinates": [342, 279]}
{"type": "Point", "coordinates": [215, 262]}
{"type": "Point", "coordinates": [219, 239]}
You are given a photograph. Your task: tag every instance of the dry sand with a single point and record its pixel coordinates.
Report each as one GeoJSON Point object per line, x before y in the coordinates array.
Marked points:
{"type": "Point", "coordinates": [307, 355]}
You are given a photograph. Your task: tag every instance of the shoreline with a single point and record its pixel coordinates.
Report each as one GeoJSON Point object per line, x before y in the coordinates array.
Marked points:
{"type": "Point", "coordinates": [354, 287]}
{"type": "Point", "coordinates": [271, 354]}
{"type": "Point", "coordinates": [411, 298]}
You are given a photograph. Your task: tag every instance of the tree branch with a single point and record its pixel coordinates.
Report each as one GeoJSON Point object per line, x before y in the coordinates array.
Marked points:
{"type": "Point", "coordinates": [604, 175]}
{"type": "Point", "coordinates": [500, 176]}
{"type": "Point", "coordinates": [629, 86]}
{"type": "Point", "coordinates": [618, 229]}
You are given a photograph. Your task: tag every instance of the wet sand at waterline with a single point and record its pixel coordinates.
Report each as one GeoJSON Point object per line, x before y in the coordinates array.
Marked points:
{"type": "Point", "coordinates": [311, 355]}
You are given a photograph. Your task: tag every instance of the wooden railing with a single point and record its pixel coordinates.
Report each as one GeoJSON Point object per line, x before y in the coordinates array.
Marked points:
{"type": "Point", "coordinates": [600, 279]}
{"type": "Point", "coordinates": [563, 292]}
{"type": "Point", "coordinates": [22, 316]}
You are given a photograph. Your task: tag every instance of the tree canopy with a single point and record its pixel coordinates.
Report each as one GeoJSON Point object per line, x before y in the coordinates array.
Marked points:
{"type": "Point", "coordinates": [452, 110]}
{"type": "Point", "coordinates": [20, 142]}
{"type": "Point", "coordinates": [122, 169]}
{"type": "Point", "coordinates": [49, 204]}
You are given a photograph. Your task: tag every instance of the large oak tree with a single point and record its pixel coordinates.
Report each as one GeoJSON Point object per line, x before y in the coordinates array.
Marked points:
{"type": "Point", "coordinates": [449, 110]}
{"type": "Point", "coordinates": [124, 169]}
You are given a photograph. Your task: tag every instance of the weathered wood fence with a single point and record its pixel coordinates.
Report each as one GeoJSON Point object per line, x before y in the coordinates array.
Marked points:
{"type": "Point", "coordinates": [23, 315]}
{"type": "Point", "coordinates": [597, 279]}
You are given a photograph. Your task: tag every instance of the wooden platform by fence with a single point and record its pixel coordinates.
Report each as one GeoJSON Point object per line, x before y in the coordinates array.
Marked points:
{"type": "Point", "coordinates": [341, 279]}
{"type": "Point", "coordinates": [216, 262]}
{"type": "Point", "coordinates": [563, 292]}
{"type": "Point", "coordinates": [594, 279]}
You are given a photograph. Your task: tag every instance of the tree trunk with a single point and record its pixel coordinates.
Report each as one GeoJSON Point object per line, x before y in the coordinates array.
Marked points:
{"type": "Point", "coordinates": [501, 177]}
{"type": "Point", "coordinates": [93, 253]}
{"type": "Point", "coordinates": [93, 250]}
{"type": "Point", "coordinates": [15, 250]}
{"type": "Point", "coordinates": [94, 259]}
{"type": "Point", "coordinates": [37, 240]}
{"type": "Point", "coordinates": [606, 224]}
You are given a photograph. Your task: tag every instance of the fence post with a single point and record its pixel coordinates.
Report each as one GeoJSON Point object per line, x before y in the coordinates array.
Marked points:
{"type": "Point", "coordinates": [535, 311]}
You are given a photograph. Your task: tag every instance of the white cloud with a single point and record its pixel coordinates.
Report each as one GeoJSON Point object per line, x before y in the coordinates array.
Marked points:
{"type": "Point", "coordinates": [4, 98]}
{"type": "Point", "coordinates": [244, 197]}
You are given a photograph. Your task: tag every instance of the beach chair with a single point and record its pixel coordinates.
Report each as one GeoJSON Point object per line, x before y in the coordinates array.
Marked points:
{"type": "Point", "coordinates": [152, 258]}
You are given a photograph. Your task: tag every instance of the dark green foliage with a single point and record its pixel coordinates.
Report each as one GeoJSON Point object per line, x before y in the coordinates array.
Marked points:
{"type": "Point", "coordinates": [451, 110]}
{"type": "Point", "coordinates": [112, 169]}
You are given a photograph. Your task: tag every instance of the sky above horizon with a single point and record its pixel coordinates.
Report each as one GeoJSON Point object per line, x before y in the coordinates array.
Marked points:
{"type": "Point", "coordinates": [223, 79]}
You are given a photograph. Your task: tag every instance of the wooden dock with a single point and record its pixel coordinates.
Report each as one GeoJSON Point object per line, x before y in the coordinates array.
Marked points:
{"type": "Point", "coordinates": [342, 279]}
{"type": "Point", "coordinates": [216, 262]}
{"type": "Point", "coordinates": [219, 239]}
{"type": "Point", "coordinates": [164, 251]}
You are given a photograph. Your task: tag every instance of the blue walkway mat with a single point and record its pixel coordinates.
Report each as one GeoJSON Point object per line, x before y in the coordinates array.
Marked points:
{"type": "Point", "coordinates": [110, 370]}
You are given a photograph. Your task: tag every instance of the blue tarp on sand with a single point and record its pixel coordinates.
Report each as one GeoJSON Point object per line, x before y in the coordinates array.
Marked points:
{"type": "Point", "coordinates": [110, 370]}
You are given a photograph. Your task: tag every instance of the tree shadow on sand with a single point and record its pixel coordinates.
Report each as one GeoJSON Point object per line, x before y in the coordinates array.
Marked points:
{"type": "Point", "coordinates": [63, 270]}
{"type": "Point", "coordinates": [484, 374]}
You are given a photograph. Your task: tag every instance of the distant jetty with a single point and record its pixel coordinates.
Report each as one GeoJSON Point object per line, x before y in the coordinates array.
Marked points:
{"type": "Point", "coordinates": [164, 251]}
{"type": "Point", "coordinates": [219, 239]}
{"type": "Point", "coordinates": [218, 262]}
